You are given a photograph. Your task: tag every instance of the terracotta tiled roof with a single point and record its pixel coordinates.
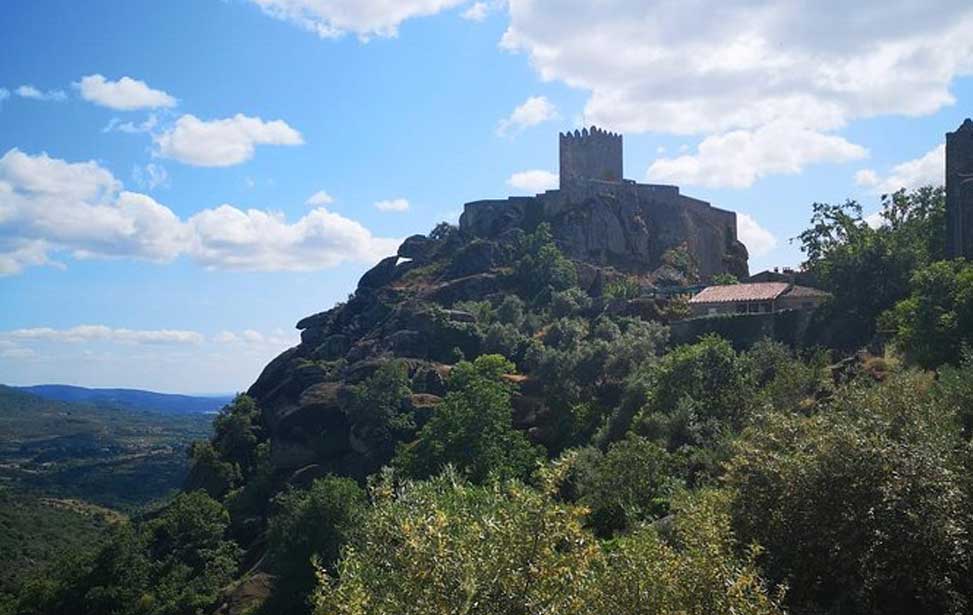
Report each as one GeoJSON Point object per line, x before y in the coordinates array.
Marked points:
{"type": "Point", "coordinates": [806, 291]}
{"type": "Point", "coordinates": [729, 293]}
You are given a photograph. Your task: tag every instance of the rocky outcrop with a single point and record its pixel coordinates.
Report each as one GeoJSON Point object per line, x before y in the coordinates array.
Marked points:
{"type": "Point", "coordinates": [624, 225]}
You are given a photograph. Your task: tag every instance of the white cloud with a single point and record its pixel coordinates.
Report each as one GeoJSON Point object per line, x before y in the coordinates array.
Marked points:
{"type": "Point", "coordinates": [88, 333]}
{"type": "Point", "coordinates": [256, 240]}
{"type": "Point", "coordinates": [224, 142]}
{"type": "Point", "coordinates": [926, 170]}
{"type": "Point", "coordinates": [531, 112]}
{"type": "Point", "coordinates": [476, 12]}
{"type": "Point", "coordinates": [698, 67]}
{"type": "Point", "coordinates": [875, 220]}
{"type": "Point", "coordinates": [131, 127]}
{"type": "Point", "coordinates": [866, 177]}
{"type": "Point", "coordinates": [759, 241]}
{"type": "Point", "coordinates": [739, 158]}
{"type": "Point", "coordinates": [392, 205]}
{"type": "Point", "coordinates": [251, 337]}
{"type": "Point", "coordinates": [364, 18]}
{"type": "Point", "coordinates": [319, 198]}
{"type": "Point", "coordinates": [29, 91]}
{"type": "Point", "coordinates": [534, 180]}
{"type": "Point", "coordinates": [150, 176]}
{"type": "Point", "coordinates": [126, 94]}
{"type": "Point", "coordinates": [4, 94]}
{"type": "Point", "coordinates": [48, 206]}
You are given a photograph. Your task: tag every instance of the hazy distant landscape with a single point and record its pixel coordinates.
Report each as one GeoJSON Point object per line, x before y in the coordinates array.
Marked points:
{"type": "Point", "coordinates": [69, 469]}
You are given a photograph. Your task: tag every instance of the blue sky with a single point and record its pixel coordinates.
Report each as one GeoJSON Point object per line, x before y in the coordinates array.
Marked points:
{"type": "Point", "coordinates": [157, 159]}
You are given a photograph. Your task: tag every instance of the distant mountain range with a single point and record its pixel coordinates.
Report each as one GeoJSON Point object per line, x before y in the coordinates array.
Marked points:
{"type": "Point", "coordinates": [131, 399]}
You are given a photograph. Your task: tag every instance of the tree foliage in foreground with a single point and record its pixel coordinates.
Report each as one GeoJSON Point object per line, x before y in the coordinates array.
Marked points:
{"type": "Point", "coordinates": [864, 507]}
{"type": "Point", "coordinates": [446, 546]}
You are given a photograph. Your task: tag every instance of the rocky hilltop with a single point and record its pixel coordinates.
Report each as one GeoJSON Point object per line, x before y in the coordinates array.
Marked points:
{"type": "Point", "coordinates": [415, 306]}
{"type": "Point", "coordinates": [624, 225]}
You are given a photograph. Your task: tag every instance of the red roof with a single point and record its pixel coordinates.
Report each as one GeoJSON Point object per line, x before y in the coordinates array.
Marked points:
{"type": "Point", "coordinates": [729, 293]}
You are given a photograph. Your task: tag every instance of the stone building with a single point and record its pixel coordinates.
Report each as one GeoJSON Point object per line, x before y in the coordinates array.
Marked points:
{"type": "Point", "coordinates": [584, 155]}
{"type": "Point", "coordinates": [597, 217]}
{"type": "Point", "coordinates": [755, 298]}
{"type": "Point", "coordinates": [959, 191]}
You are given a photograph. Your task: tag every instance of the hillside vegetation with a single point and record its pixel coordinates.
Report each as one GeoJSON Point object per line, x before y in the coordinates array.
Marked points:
{"type": "Point", "coordinates": [69, 472]}
{"type": "Point", "coordinates": [494, 428]}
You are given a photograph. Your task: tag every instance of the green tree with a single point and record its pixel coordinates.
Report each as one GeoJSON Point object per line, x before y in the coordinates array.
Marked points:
{"type": "Point", "coordinates": [932, 325]}
{"type": "Point", "coordinates": [629, 483]}
{"type": "Point", "coordinates": [705, 380]}
{"type": "Point", "coordinates": [376, 411]}
{"type": "Point", "coordinates": [233, 454]}
{"type": "Point", "coordinates": [309, 526]}
{"type": "Point", "coordinates": [472, 427]}
{"type": "Point", "coordinates": [725, 279]}
{"type": "Point", "coordinates": [541, 269]}
{"type": "Point", "coordinates": [863, 507]}
{"type": "Point", "coordinates": [867, 269]}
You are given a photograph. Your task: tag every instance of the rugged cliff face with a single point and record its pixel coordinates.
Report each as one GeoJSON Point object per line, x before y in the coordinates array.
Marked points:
{"type": "Point", "coordinates": [624, 225]}
{"type": "Point", "coordinates": [405, 308]}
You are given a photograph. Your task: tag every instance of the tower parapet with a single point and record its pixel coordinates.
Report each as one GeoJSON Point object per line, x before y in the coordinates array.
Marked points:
{"type": "Point", "coordinates": [593, 154]}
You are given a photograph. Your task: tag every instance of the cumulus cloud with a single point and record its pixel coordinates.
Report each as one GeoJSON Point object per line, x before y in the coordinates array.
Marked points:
{"type": "Point", "coordinates": [759, 241]}
{"type": "Point", "coordinates": [738, 158]}
{"type": "Point", "coordinates": [392, 205]}
{"type": "Point", "coordinates": [223, 142]}
{"type": "Point", "coordinates": [926, 170]}
{"type": "Point", "coordinates": [48, 206]}
{"type": "Point", "coordinates": [4, 94]}
{"type": "Point", "coordinates": [698, 67]}
{"type": "Point", "coordinates": [29, 91]}
{"type": "Point", "coordinates": [319, 198]}
{"type": "Point", "coordinates": [531, 112]}
{"type": "Point", "coordinates": [257, 240]}
{"type": "Point", "coordinates": [364, 18]}
{"type": "Point", "coordinates": [476, 12]}
{"type": "Point", "coordinates": [534, 180]}
{"type": "Point", "coordinates": [126, 94]}
{"type": "Point", "coordinates": [88, 333]}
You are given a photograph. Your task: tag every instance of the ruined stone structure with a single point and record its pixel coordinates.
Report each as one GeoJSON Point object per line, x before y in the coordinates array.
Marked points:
{"type": "Point", "coordinates": [594, 154]}
{"type": "Point", "coordinates": [600, 218]}
{"type": "Point", "coordinates": [959, 191]}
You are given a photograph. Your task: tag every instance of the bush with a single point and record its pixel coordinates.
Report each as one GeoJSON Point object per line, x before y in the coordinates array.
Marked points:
{"type": "Point", "coordinates": [472, 429]}
{"type": "Point", "coordinates": [862, 508]}
{"type": "Point", "coordinates": [629, 483]}
{"type": "Point", "coordinates": [933, 324]}
{"type": "Point", "coordinates": [308, 529]}
{"type": "Point", "coordinates": [445, 546]}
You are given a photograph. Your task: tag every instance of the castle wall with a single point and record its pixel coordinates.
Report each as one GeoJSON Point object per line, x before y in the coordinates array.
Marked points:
{"type": "Point", "coordinates": [959, 192]}
{"type": "Point", "coordinates": [594, 154]}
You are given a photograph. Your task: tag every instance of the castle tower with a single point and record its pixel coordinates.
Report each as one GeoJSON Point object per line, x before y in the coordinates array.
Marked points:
{"type": "Point", "coordinates": [959, 192]}
{"type": "Point", "coordinates": [590, 154]}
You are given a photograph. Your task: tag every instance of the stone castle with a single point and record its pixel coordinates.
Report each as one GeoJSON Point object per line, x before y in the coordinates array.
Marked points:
{"type": "Point", "coordinates": [598, 217]}
{"type": "Point", "coordinates": [959, 192]}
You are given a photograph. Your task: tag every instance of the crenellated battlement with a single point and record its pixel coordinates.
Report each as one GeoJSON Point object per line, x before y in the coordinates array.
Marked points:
{"type": "Point", "coordinates": [589, 154]}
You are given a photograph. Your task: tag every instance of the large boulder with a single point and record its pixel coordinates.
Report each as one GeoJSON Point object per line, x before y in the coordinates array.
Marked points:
{"type": "Point", "coordinates": [379, 275]}
{"type": "Point", "coordinates": [416, 247]}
